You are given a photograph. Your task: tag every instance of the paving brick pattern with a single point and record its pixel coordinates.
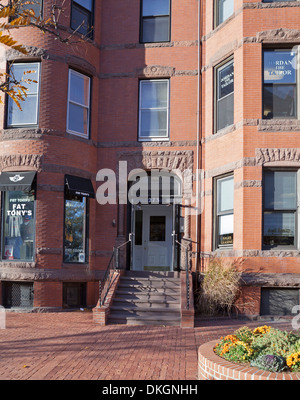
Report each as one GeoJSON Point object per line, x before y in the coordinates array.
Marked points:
{"type": "Point", "coordinates": [70, 346]}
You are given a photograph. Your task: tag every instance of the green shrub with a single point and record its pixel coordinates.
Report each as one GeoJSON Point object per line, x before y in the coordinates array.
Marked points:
{"type": "Point", "coordinates": [276, 342]}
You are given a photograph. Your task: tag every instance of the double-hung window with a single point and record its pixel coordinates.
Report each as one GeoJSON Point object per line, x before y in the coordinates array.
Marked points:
{"type": "Point", "coordinates": [224, 95]}
{"type": "Point", "coordinates": [154, 109]}
{"type": "Point", "coordinates": [82, 17]}
{"type": "Point", "coordinates": [155, 21]}
{"type": "Point", "coordinates": [28, 76]}
{"type": "Point", "coordinates": [280, 208]}
{"type": "Point", "coordinates": [224, 10]}
{"type": "Point", "coordinates": [224, 188]}
{"type": "Point", "coordinates": [78, 104]}
{"type": "Point", "coordinates": [280, 84]}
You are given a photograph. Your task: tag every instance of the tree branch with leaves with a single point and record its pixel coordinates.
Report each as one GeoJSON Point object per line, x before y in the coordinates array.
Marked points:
{"type": "Point", "coordinates": [18, 14]}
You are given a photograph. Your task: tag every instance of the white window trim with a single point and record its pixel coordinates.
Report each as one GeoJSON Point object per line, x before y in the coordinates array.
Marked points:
{"type": "Point", "coordinates": [72, 71]}
{"type": "Point", "coordinates": [29, 94]}
{"type": "Point", "coordinates": [154, 138]}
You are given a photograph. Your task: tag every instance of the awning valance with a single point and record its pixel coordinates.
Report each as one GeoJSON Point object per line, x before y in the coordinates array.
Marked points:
{"type": "Point", "coordinates": [16, 181]}
{"type": "Point", "coordinates": [80, 186]}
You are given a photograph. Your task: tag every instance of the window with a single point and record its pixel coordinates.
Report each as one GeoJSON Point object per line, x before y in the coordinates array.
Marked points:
{"type": "Point", "coordinates": [154, 109]}
{"type": "Point", "coordinates": [280, 84]}
{"type": "Point", "coordinates": [78, 104]}
{"type": "Point", "coordinates": [17, 294]}
{"type": "Point", "coordinates": [276, 1]}
{"type": "Point", "coordinates": [18, 221]}
{"type": "Point", "coordinates": [224, 95]}
{"type": "Point", "coordinates": [74, 294]}
{"type": "Point", "coordinates": [35, 5]}
{"type": "Point", "coordinates": [82, 17]}
{"type": "Point", "coordinates": [76, 220]}
{"type": "Point", "coordinates": [155, 21]}
{"type": "Point", "coordinates": [29, 113]}
{"type": "Point", "coordinates": [224, 211]}
{"type": "Point", "coordinates": [280, 208]}
{"type": "Point", "coordinates": [224, 9]}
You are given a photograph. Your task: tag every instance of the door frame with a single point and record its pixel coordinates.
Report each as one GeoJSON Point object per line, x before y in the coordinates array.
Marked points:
{"type": "Point", "coordinates": [134, 251]}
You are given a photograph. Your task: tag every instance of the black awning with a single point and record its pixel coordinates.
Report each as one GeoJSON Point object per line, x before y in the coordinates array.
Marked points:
{"type": "Point", "coordinates": [16, 181]}
{"type": "Point", "coordinates": [80, 186]}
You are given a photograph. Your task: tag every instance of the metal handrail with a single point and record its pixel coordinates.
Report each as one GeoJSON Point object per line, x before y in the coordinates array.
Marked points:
{"type": "Point", "coordinates": [113, 265]}
{"type": "Point", "coordinates": [186, 271]}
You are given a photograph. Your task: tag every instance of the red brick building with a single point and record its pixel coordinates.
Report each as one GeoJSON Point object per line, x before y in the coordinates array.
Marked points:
{"type": "Point", "coordinates": [173, 85]}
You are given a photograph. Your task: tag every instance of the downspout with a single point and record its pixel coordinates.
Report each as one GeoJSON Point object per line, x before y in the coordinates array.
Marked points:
{"type": "Point", "coordinates": [198, 145]}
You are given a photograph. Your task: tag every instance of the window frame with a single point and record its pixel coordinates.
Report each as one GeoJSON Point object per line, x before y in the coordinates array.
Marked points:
{"type": "Point", "coordinates": [296, 85]}
{"type": "Point", "coordinates": [142, 18]}
{"type": "Point", "coordinates": [37, 94]}
{"type": "Point", "coordinates": [86, 233]}
{"type": "Point", "coordinates": [217, 214]}
{"type": "Point", "coordinates": [217, 14]}
{"type": "Point", "coordinates": [154, 138]}
{"type": "Point", "coordinates": [90, 32]}
{"type": "Point", "coordinates": [88, 107]}
{"type": "Point", "coordinates": [295, 211]}
{"type": "Point", "coordinates": [217, 68]}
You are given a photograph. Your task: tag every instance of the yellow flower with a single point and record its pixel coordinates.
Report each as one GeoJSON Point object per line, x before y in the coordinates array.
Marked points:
{"type": "Point", "coordinates": [260, 330]}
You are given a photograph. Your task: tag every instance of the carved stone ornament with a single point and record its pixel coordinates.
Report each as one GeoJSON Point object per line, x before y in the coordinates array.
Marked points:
{"type": "Point", "coordinates": [272, 155]}
{"type": "Point", "coordinates": [279, 35]}
{"type": "Point", "coordinates": [152, 71]}
{"type": "Point", "coordinates": [21, 160]}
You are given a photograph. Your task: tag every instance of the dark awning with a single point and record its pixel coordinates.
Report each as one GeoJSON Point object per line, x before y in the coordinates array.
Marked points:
{"type": "Point", "coordinates": [16, 181]}
{"type": "Point", "coordinates": [80, 186]}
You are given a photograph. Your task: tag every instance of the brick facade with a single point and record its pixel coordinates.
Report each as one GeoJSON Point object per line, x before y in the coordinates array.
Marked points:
{"type": "Point", "coordinates": [116, 61]}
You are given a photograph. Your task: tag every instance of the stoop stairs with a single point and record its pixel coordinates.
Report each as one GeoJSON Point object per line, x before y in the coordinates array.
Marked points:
{"type": "Point", "coordinates": [147, 298]}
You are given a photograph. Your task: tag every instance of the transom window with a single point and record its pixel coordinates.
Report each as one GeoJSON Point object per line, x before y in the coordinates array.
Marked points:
{"type": "Point", "coordinates": [155, 21]}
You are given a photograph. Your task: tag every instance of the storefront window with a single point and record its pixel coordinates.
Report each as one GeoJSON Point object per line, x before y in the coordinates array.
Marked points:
{"type": "Point", "coordinates": [75, 238]}
{"type": "Point", "coordinates": [18, 225]}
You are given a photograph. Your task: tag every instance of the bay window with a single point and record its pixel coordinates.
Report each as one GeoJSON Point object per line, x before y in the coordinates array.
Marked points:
{"type": "Point", "coordinates": [224, 95]}
{"type": "Point", "coordinates": [78, 104]}
{"type": "Point", "coordinates": [28, 114]}
{"type": "Point", "coordinates": [280, 84]}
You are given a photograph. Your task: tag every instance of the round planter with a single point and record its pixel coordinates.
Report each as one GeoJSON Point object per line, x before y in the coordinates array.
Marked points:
{"type": "Point", "coordinates": [213, 367]}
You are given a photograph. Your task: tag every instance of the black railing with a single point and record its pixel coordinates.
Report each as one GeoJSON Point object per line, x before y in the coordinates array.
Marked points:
{"type": "Point", "coordinates": [186, 267]}
{"type": "Point", "coordinates": [113, 265]}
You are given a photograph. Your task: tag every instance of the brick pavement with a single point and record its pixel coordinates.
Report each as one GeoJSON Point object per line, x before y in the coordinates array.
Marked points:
{"type": "Point", "coordinates": [69, 346]}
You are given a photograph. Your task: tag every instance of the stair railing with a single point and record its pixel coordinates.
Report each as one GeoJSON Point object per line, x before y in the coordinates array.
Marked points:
{"type": "Point", "coordinates": [186, 250]}
{"type": "Point", "coordinates": [113, 265]}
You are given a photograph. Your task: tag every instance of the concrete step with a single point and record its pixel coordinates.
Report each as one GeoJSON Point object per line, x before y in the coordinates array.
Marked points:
{"type": "Point", "coordinates": [147, 298]}
{"type": "Point", "coordinates": [146, 318]}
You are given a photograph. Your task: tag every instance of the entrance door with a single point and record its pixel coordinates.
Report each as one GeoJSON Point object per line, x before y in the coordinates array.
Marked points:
{"type": "Point", "coordinates": [152, 247]}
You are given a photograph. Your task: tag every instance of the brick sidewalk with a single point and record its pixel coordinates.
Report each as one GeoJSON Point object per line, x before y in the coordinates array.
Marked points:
{"type": "Point", "coordinates": [70, 346]}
